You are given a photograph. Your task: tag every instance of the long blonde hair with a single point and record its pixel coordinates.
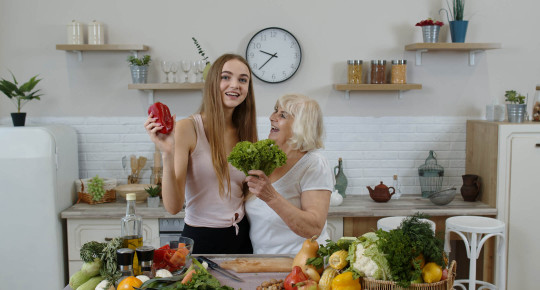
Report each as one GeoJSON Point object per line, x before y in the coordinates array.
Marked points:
{"type": "Point", "coordinates": [244, 119]}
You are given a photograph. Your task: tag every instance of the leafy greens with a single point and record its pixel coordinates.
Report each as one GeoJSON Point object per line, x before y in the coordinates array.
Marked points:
{"type": "Point", "coordinates": [263, 155]}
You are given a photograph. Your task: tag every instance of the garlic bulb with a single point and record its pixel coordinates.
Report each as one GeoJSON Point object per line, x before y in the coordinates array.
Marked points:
{"type": "Point", "coordinates": [336, 198]}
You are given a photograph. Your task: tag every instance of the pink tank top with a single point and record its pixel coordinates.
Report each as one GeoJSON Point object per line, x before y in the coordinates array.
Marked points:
{"type": "Point", "coordinates": [204, 206]}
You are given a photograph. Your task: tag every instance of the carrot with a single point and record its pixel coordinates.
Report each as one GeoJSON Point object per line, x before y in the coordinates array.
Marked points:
{"type": "Point", "coordinates": [188, 276]}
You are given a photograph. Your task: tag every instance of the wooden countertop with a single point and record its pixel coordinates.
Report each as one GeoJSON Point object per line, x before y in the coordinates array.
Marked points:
{"type": "Point", "coordinates": [352, 206]}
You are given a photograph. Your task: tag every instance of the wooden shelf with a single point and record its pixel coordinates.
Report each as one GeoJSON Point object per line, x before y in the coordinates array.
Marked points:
{"type": "Point", "coordinates": [102, 47]}
{"type": "Point", "coordinates": [472, 48]}
{"type": "Point", "coordinates": [167, 86]}
{"type": "Point", "coordinates": [376, 87]}
{"type": "Point", "coordinates": [151, 87]}
{"type": "Point", "coordinates": [79, 48]}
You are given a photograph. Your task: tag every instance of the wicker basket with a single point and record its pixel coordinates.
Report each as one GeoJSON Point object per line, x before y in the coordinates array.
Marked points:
{"type": "Point", "coordinates": [448, 284]}
{"type": "Point", "coordinates": [109, 196]}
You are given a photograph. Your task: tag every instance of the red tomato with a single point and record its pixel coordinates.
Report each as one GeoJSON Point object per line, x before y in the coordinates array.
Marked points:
{"type": "Point", "coordinates": [163, 115]}
{"type": "Point", "coordinates": [294, 277]}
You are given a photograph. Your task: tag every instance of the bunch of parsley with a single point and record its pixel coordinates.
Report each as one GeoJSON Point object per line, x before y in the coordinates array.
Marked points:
{"type": "Point", "coordinates": [263, 155]}
{"type": "Point", "coordinates": [404, 244]}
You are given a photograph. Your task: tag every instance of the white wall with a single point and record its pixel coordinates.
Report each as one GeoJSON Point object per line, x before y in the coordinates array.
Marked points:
{"type": "Point", "coordinates": [376, 133]}
{"type": "Point", "coordinates": [330, 32]}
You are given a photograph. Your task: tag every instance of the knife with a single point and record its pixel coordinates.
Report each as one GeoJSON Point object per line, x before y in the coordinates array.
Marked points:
{"type": "Point", "coordinates": [213, 265]}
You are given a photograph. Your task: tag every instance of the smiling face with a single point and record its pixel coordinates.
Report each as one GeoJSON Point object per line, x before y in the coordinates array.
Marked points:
{"type": "Point", "coordinates": [281, 127]}
{"type": "Point", "coordinates": [234, 83]}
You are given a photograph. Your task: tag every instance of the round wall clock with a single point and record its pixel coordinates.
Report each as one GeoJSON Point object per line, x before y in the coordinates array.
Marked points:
{"type": "Point", "coordinates": [274, 55]}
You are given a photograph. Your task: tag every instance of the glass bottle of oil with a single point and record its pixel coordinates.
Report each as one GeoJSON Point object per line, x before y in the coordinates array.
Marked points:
{"type": "Point", "coordinates": [132, 230]}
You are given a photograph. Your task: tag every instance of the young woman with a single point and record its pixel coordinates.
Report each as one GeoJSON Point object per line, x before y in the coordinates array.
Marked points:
{"type": "Point", "coordinates": [195, 167]}
{"type": "Point", "coordinates": [292, 203]}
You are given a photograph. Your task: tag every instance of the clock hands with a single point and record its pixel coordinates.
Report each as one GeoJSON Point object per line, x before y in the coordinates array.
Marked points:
{"type": "Point", "coordinates": [275, 54]}
{"type": "Point", "coordinates": [271, 56]}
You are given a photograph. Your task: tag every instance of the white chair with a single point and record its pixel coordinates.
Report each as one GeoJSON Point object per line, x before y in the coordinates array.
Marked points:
{"type": "Point", "coordinates": [393, 222]}
{"type": "Point", "coordinates": [474, 231]}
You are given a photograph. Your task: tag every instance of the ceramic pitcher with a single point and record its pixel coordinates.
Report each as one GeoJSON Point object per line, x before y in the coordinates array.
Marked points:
{"type": "Point", "coordinates": [470, 188]}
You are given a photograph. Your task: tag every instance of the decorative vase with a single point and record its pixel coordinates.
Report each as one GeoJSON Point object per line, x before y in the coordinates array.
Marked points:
{"type": "Point", "coordinates": [470, 188]}
{"type": "Point", "coordinates": [153, 201]}
{"type": "Point", "coordinates": [341, 179]}
{"type": "Point", "coordinates": [458, 30]}
{"type": "Point", "coordinates": [516, 112]}
{"type": "Point", "coordinates": [431, 175]}
{"type": "Point", "coordinates": [430, 33]}
{"type": "Point", "coordinates": [18, 119]}
{"type": "Point", "coordinates": [139, 74]}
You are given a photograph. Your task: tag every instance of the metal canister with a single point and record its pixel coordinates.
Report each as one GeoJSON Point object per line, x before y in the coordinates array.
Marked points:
{"type": "Point", "coordinates": [378, 71]}
{"type": "Point", "coordinates": [399, 71]}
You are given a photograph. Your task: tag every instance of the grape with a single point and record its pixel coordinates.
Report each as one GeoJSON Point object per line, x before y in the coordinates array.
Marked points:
{"type": "Point", "coordinates": [95, 188]}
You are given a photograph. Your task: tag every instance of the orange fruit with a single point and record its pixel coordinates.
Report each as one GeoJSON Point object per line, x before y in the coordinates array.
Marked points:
{"type": "Point", "coordinates": [128, 283]}
{"type": "Point", "coordinates": [420, 260]}
{"type": "Point", "coordinates": [431, 273]}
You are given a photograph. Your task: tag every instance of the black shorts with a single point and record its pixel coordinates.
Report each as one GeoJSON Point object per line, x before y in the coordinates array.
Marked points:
{"type": "Point", "coordinates": [220, 240]}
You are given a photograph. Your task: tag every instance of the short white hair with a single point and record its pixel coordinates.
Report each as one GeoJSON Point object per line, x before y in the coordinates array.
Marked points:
{"type": "Point", "coordinates": [307, 127]}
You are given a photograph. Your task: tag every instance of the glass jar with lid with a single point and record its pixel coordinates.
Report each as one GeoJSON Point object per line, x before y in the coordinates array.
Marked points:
{"type": "Point", "coordinates": [351, 73]}
{"type": "Point", "coordinates": [536, 107]}
{"type": "Point", "coordinates": [378, 71]}
{"type": "Point", "coordinates": [399, 71]}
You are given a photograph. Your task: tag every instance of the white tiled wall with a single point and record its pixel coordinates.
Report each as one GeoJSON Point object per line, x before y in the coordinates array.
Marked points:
{"type": "Point", "coordinates": [373, 149]}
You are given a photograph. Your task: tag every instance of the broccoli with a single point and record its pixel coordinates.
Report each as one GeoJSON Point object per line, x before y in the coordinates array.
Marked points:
{"type": "Point", "coordinates": [263, 155]}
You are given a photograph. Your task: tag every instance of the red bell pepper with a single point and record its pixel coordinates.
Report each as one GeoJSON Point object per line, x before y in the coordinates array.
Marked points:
{"type": "Point", "coordinates": [163, 115]}
{"type": "Point", "coordinates": [296, 276]}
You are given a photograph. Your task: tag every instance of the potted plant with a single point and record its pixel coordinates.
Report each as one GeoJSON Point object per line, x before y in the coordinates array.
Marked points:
{"type": "Point", "coordinates": [516, 107]}
{"type": "Point", "coordinates": [204, 56]}
{"type": "Point", "coordinates": [458, 26]}
{"type": "Point", "coordinates": [153, 198]}
{"type": "Point", "coordinates": [139, 68]}
{"type": "Point", "coordinates": [430, 30]}
{"type": "Point", "coordinates": [20, 95]}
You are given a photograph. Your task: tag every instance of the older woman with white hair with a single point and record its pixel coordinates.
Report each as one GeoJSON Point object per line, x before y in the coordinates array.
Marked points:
{"type": "Point", "coordinates": [292, 203]}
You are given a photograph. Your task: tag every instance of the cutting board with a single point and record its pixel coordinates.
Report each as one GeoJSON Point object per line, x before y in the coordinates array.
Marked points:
{"type": "Point", "coordinates": [258, 265]}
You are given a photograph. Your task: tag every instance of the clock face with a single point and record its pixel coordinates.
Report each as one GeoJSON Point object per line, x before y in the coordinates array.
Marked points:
{"type": "Point", "coordinates": [274, 55]}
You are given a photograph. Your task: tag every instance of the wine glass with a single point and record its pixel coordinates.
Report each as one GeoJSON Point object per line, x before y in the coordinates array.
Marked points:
{"type": "Point", "coordinates": [174, 69]}
{"type": "Point", "coordinates": [186, 67]}
{"type": "Point", "coordinates": [201, 65]}
{"type": "Point", "coordinates": [166, 67]}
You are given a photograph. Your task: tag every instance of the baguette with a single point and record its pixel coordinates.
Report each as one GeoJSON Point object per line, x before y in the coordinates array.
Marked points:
{"type": "Point", "coordinates": [258, 265]}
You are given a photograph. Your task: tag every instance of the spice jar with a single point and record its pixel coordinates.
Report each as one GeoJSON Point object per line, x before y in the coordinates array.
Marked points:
{"type": "Point", "coordinates": [350, 71]}
{"type": "Point", "coordinates": [378, 71]}
{"type": "Point", "coordinates": [399, 71]}
{"type": "Point", "coordinates": [536, 108]}
{"type": "Point", "coordinates": [358, 71]}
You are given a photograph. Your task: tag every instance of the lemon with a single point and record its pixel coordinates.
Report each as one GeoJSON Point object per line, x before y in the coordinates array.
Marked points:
{"type": "Point", "coordinates": [431, 273]}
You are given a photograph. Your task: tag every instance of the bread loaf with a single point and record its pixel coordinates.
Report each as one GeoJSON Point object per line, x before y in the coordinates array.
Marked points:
{"type": "Point", "coordinates": [258, 265]}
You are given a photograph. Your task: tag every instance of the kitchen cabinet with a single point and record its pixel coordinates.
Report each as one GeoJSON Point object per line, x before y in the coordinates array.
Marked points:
{"type": "Point", "coordinates": [471, 48]}
{"type": "Point", "coordinates": [80, 231]}
{"type": "Point", "coordinates": [505, 156]}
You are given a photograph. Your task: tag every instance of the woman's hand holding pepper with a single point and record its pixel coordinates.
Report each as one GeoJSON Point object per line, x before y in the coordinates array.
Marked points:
{"type": "Point", "coordinates": [164, 142]}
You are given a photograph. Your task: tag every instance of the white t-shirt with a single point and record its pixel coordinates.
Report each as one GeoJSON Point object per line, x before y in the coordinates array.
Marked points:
{"type": "Point", "coordinates": [268, 232]}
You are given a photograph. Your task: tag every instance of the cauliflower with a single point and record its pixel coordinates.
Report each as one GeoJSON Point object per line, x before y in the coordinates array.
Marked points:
{"type": "Point", "coordinates": [366, 259]}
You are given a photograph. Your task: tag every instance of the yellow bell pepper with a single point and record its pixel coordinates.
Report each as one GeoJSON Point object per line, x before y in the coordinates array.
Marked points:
{"type": "Point", "coordinates": [345, 281]}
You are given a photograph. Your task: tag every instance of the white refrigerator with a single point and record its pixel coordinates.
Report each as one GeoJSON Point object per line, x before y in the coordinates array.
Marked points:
{"type": "Point", "coordinates": [38, 167]}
